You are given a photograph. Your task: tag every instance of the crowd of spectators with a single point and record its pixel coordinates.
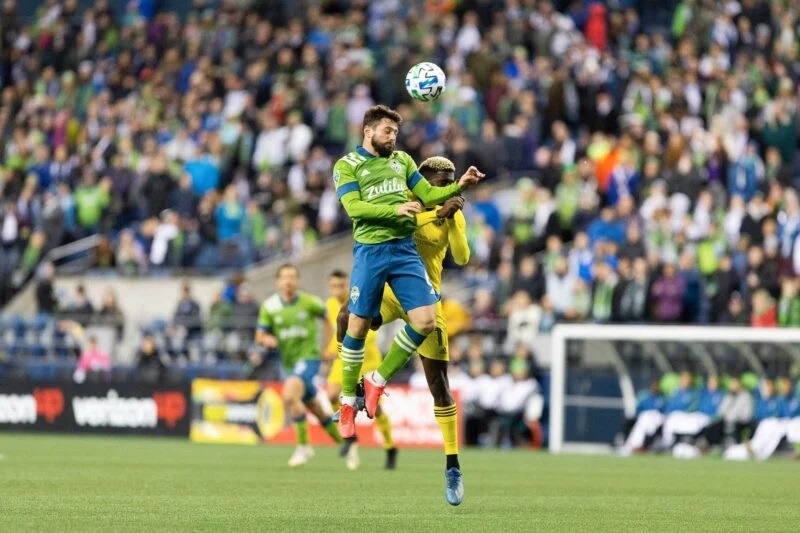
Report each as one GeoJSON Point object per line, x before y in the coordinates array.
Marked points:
{"type": "Point", "coordinates": [650, 146]}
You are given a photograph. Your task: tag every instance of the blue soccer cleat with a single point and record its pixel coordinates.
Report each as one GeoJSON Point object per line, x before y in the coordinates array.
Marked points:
{"type": "Point", "coordinates": [454, 489]}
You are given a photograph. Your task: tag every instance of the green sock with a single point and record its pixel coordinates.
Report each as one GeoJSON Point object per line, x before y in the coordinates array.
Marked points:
{"type": "Point", "coordinates": [352, 358]}
{"type": "Point", "coordinates": [332, 430]}
{"type": "Point", "coordinates": [301, 430]}
{"type": "Point", "coordinates": [405, 343]}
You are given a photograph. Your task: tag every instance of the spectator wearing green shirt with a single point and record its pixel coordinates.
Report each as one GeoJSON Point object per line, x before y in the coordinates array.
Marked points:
{"type": "Point", "coordinates": [789, 304]}
{"type": "Point", "coordinates": [91, 200]}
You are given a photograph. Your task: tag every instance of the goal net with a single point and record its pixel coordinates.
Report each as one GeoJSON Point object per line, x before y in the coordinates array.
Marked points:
{"type": "Point", "coordinates": [597, 370]}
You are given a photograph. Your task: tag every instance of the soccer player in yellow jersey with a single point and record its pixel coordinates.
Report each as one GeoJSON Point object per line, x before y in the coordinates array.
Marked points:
{"type": "Point", "coordinates": [338, 289]}
{"type": "Point", "coordinates": [438, 229]}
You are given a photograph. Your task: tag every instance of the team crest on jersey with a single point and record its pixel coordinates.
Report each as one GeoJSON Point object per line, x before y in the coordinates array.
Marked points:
{"type": "Point", "coordinates": [355, 292]}
{"type": "Point", "coordinates": [302, 315]}
{"type": "Point", "coordinates": [336, 176]}
{"type": "Point", "coordinates": [396, 166]}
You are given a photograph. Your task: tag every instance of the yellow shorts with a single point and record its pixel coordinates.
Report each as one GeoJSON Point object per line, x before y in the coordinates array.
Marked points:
{"type": "Point", "coordinates": [372, 360]}
{"type": "Point", "coordinates": [436, 346]}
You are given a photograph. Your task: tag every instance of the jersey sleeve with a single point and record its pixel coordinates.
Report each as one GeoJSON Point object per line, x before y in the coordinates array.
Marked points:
{"type": "Point", "coordinates": [344, 178]}
{"type": "Point", "coordinates": [422, 189]}
{"type": "Point", "coordinates": [457, 238]}
{"type": "Point", "coordinates": [264, 319]}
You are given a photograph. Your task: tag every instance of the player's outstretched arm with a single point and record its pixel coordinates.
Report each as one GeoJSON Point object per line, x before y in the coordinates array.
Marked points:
{"type": "Point", "coordinates": [430, 195]}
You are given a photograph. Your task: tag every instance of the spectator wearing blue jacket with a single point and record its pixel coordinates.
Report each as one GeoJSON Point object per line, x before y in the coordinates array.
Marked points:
{"type": "Point", "coordinates": [639, 431]}
{"type": "Point", "coordinates": [685, 396]}
{"type": "Point", "coordinates": [789, 401]}
{"type": "Point", "coordinates": [229, 216]}
{"type": "Point", "coordinates": [607, 228]}
{"type": "Point", "coordinates": [745, 174]}
{"type": "Point", "coordinates": [689, 412]}
{"type": "Point", "coordinates": [768, 404]}
{"type": "Point", "coordinates": [710, 398]}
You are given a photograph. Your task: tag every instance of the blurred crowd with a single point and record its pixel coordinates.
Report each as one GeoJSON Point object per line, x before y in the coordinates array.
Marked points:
{"type": "Point", "coordinates": [741, 417]}
{"type": "Point", "coordinates": [650, 145]}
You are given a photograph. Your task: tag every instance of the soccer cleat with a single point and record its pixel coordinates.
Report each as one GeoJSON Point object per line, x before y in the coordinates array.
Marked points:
{"type": "Point", "coordinates": [454, 488]}
{"type": "Point", "coordinates": [347, 421]}
{"type": "Point", "coordinates": [372, 394]}
{"type": "Point", "coordinates": [301, 455]}
{"type": "Point", "coordinates": [352, 461]}
{"type": "Point", "coordinates": [391, 459]}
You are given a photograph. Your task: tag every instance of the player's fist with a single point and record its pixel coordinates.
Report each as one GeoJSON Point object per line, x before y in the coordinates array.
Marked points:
{"type": "Point", "coordinates": [408, 209]}
{"type": "Point", "coordinates": [470, 177]}
{"type": "Point", "coordinates": [449, 208]}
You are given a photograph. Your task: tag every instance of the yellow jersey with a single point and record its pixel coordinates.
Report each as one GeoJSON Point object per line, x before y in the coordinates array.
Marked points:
{"type": "Point", "coordinates": [371, 351]}
{"type": "Point", "coordinates": [434, 235]}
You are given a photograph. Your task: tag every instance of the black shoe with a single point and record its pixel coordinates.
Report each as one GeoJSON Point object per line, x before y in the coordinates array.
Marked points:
{"type": "Point", "coordinates": [345, 447]}
{"type": "Point", "coordinates": [391, 458]}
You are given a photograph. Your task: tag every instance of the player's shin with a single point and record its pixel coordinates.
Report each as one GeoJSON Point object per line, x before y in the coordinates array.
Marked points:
{"type": "Point", "coordinates": [352, 359]}
{"type": "Point", "coordinates": [332, 430]}
{"type": "Point", "coordinates": [301, 429]}
{"type": "Point", "coordinates": [447, 418]}
{"type": "Point", "coordinates": [385, 427]}
{"type": "Point", "coordinates": [405, 343]}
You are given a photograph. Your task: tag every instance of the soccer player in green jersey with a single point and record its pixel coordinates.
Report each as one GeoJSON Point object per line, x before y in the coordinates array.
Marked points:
{"type": "Point", "coordinates": [373, 184]}
{"type": "Point", "coordinates": [289, 322]}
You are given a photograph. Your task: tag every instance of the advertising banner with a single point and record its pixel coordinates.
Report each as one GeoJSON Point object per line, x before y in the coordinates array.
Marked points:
{"type": "Point", "coordinates": [252, 412]}
{"type": "Point", "coordinates": [124, 408]}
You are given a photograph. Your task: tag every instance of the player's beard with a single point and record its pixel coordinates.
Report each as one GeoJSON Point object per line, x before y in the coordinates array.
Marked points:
{"type": "Point", "coordinates": [383, 149]}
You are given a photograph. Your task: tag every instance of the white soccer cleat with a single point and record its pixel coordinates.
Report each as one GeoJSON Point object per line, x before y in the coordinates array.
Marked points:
{"type": "Point", "coordinates": [352, 460]}
{"type": "Point", "coordinates": [301, 455]}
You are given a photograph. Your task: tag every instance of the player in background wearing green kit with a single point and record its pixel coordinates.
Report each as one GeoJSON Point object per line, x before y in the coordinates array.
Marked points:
{"type": "Point", "coordinates": [373, 184]}
{"type": "Point", "coordinates": [289, 322]}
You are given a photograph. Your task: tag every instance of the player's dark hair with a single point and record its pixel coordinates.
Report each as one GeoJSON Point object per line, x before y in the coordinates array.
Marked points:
{"type": "Point", "coordinates": [379, 112]}
{"type": "Point", "coordinates": [284, 267]}
{"type": "Point", "coordinates": [340, 274]}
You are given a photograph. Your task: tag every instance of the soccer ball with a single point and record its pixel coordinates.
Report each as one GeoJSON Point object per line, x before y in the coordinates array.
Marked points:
{"type": "Point", "coordinates": [425, 82]}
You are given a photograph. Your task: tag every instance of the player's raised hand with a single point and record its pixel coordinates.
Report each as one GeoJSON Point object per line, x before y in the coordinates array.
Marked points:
{"type": "Point", "coordinates": [449, 208]}
{"type": "Point", "coordinates": [408, 209]}
{"type": "Point", "coordinates": [471, 177]}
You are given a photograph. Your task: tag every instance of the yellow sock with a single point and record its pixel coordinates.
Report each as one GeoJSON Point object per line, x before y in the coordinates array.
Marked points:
{"type": "Point", "coordinates": [447, 417]}
{"type": "Point", "coordinates": [385, 427]}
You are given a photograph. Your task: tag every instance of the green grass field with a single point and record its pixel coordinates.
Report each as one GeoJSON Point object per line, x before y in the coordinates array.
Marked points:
{"type": "Point", "coordinates": [60, 483]}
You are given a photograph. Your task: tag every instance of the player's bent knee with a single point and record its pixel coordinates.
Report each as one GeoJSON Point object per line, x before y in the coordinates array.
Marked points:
{"type": "Point", "coordinates": [424, 325]}
{"type": "Point", "coordinates": [358, 326]}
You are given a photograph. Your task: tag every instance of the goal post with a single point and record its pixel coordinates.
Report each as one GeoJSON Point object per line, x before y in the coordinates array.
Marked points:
{"type": "Point", "coordinates": [601, 345]}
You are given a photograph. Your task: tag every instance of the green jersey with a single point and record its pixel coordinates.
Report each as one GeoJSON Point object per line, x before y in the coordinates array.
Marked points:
{"type": "Point", "coordinates": [295, 324]}
{"type": "Point", "coordinates": [371, 188]}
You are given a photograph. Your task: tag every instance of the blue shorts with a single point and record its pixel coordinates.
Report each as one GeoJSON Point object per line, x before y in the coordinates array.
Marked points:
{"type": "Point", "coordinates": [396, 263]}
{"type": "Point", "coordinates": [306, 370]}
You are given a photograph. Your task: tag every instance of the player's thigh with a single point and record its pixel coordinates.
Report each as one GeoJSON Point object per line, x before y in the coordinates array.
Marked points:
{"type": "Point", "coordinates": [293, 388]}
{"type": "Point", "coordinates": [409, 280]}
{"type": "Point", "coordinates": [436, 346]}
{"type": "Point", "coordinates": [371, 262]}
{"type": "Point", "coordinates": [305, 371]}
{"type": "Point", "coordinates": [391, 309]}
